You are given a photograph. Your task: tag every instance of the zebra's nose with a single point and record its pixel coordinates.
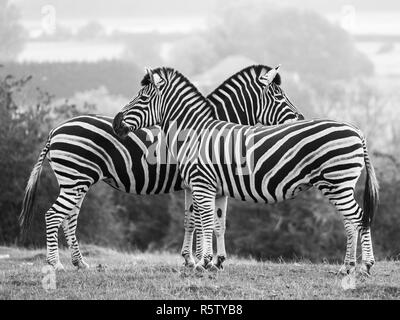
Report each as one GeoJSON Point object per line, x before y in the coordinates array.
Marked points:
{"type": "Point", "coordinates": [300, 116]}
{"type": "Point", "coordinates": [119, 127]}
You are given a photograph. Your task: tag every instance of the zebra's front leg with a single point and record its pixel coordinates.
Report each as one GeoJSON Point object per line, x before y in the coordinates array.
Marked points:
{"type": "Point", "coordinates": [204, 204]}
{"type": "Point", "coordinates": [69, 226]}
{"type": "Point", "coordinates": [351, 248]}
{"type": "Point", "coordinates": [189, 230]}
{"type": "Point", "coordinates": [368, 259]}
{"type": "Point", "coordinates": [219, 229]}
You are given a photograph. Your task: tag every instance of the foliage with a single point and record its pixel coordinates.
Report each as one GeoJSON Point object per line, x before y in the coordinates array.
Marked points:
{"type": "Point", "coordinates": [145, 220]}
{"type": "Point", "coordinates": [23, 130]}
{"type": "Point", "coordinates": [20, 134]}
{"type": "Point", "coordinates": [302, 41]}
{"type": "Point", "coordinates": [65, 79]}
{"type": "Point", "coordinates": [307, 227]}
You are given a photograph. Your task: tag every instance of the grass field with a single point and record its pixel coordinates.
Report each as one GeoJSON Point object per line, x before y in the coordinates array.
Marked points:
{"type": "Point", "coordinates": [116, 275]}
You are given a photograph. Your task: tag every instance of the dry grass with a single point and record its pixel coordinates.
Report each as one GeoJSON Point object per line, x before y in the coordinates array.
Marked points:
{"type": "Point", "coordinates": [117, 275]}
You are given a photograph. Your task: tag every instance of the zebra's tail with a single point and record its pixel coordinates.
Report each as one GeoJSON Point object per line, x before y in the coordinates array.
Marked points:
{"type": "Point", "coordinates": [371, 190]}
{"type": "Point", "coordinates": [25, 218]}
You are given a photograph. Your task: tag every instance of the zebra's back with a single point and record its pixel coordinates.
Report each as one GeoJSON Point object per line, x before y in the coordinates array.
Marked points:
{"type": "Point", "coordinates": [85, 148]}
{"type": "Point", "coordinates": [271, 164]}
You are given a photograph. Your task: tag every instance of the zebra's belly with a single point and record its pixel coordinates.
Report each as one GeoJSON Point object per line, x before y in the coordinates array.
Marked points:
{"type": "Point", "coordinates": [274, 164]}
{"type": "Point", "coordinates": [152, 181]}
{"type": "Point", "coordinates": [259, 189]}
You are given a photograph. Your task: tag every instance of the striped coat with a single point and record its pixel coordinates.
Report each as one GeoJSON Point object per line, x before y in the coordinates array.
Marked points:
{"type": "Point", "coordinates": [85, 150]}
{"type": "Point", "coordinates": [262, 164]}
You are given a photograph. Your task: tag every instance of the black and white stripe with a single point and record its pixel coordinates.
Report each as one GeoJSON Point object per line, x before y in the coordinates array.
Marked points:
{"type": "Point", "coordinates": [280, 161]}
{"type": "Point", "coordinates": [85, 150]}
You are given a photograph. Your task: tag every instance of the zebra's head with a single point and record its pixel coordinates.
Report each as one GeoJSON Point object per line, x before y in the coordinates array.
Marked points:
{"type": "Point", "coordinates": [276, 108]}
{"type": "Point", "coordinates": [143, 110]}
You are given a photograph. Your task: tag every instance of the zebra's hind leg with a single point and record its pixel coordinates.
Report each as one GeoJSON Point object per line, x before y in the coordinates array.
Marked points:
{"type": "Point", "coordinates": [69, 226]}
{"type": "Point", "coordinates": [189, 230]}
{"type": "Point", "coordinates": [342, 197]}
{"type": "Point", "coordinates": [204, 204]}
{"type": "Point", "coordinates": [59, 211]}
{"type": "Point", "coordinates": [368, 259]}
{"type": "Point", "coordinates": [219, 229]}
{"type": "Point", "coordinates": [351, 248]}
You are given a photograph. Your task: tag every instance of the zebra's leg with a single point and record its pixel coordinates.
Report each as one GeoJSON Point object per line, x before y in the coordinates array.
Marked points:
{"type": "Point", "coordinates": [204, 204]}
{"type": "Point", "coordinates": [189, 230]}
{"type": "Point", "coordinates": [59, 211]}
{"type": "Point", "coordinates": [219, 229]}
{"type": "Point", "coordinates": [69, 226]}
{"type": "Point", "coordinates": [368, 259]}
{"type": "Point", "coordinates": [342, 197]}
{"type": "Point", "coordinates": [351, 248]}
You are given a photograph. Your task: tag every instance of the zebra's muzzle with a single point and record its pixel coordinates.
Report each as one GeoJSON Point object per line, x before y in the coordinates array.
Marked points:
{"type": "Point", "coordinates": [119, 126]}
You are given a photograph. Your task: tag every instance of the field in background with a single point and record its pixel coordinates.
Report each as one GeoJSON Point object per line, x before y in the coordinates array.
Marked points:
{"type": "Point", "coordinates": [116, 275]}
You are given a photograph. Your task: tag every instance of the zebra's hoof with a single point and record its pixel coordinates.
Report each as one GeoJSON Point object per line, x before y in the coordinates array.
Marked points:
{"type": "Point", "coordinates": [82, 265]}
{"type": "Point", "coordinates": [365, 270]}
{"type": "Point", "coordinates": [219, 264]}
{"type": "Point", "coordinates": [189, 261]}
{"type": "Point", "coordinates": [347, 269]}
{"type": "Point", "coordinates": [58, 266]}
{"type": "Point", "coordinates": [189, 264]}
{"type": "Point", "coordinates": [220, 267]}
{"type": "Point", "coordinates": [212, 267]}
{"type": "Point", "coordinates": [199, 268]}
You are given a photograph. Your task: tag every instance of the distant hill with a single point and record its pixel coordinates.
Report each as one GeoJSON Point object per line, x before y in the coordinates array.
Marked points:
{"type": "Point", "coordinates": [65, 79]}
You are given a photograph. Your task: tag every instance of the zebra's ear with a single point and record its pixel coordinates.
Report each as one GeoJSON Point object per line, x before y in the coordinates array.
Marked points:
{"type": "Point", "coordinates": [150, 73]}
{"type": "Point", "coordinates": [269, 77]}
{"type": "Point", "coordinates": [157, 80]}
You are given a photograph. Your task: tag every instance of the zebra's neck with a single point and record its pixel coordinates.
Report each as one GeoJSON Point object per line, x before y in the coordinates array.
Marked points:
{"type": "Point", "coordinates": [236, 113]}
{"type": "Point", "coordinates": [238, 98]}
{"type": "Point", "coordinates": [187, 119]}
{"type": "Point", "coordinates": [185, 113]}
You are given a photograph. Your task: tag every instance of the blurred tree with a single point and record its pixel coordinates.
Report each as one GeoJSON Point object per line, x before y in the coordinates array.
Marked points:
{"type": "Point", "coordinates": [12, 34]}
{"type": "Point", "coordinates": [91, 31]}
{"type": "Point", "coordinates": [302, 41]}
{"type": "Point", "coordinates": [20, 134]}
{"type": "Point", "coordinates": [145, 50]}
{"type": "Point", "coordinates": [23, 130]}
{"type": "Point", "coordinates": [145, 220]}
{"type": "Point", "coordinates": [306, 227]}
{"type": "Point", "coordinates": [66, 79]}
{"type": "Point", "coordinates": [192, 54]}
{"type": "Point", "coordinates": [175, 232]}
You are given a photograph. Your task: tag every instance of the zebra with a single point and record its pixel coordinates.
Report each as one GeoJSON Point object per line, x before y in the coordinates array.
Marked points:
{"type": "Point", "coordinates": [280, 161]}
{"type": "Point", "coordinates": [85, 150]}
{"type": "Point", "coordinates": [252, 96]}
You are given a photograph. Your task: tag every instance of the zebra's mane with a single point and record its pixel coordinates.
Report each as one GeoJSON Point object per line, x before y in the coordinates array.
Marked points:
{"type": "Point", "coordinates": [257, 68]}
{"type": "Point", "coordinates": [170, 73]}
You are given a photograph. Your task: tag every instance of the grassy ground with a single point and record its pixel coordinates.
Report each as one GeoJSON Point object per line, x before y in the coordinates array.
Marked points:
{"type": "Point", "coordinates": [116, 275]}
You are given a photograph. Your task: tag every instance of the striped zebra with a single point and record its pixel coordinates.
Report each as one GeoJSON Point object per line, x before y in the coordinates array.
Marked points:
{"type": "Point", "coordinates": [262, 164]}
{"type": "Point", "coordinates": [252, 96]}
{"type": "Point", "coordinates": [85, 150]}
